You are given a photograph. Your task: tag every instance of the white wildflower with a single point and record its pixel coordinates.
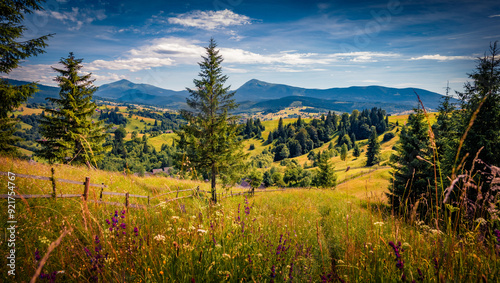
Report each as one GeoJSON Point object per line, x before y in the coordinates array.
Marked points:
{"type": "Point", "coordinates": [159, 238]}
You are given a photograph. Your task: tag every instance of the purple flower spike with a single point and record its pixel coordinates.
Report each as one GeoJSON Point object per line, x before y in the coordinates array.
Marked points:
{"type": "Point", "coordinates": [37, 255]}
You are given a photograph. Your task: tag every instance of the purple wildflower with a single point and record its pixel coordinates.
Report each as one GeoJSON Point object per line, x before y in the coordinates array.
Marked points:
{"type": "Point", "coordinates": [273, 273]}
{"type": "Point", "coordinates": [497, 233]}
{"type": "Point", "coordinates": [37, 255]}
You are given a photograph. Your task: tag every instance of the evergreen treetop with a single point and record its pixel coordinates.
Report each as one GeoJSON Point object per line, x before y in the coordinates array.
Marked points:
{"type": "Point", "coordinates": [210, 139]}
{"type": "Point", "coordinates": [70, 134]}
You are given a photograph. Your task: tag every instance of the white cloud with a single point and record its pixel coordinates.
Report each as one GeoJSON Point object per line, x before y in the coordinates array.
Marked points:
{"type": "Point", "coordinates": [442, 58]}
{"type": "Point", "coordinates": [172, 51]}
{"type": "Point", "coordinates": [364, 56]}
{"type": "Point", "coordinates": [76, 17]}
{"type": "Point", "coordinates": [107, 77]}
{"type": "Point", "coordinates": [494, 16]}
{"type": "Point", "coordinates": [34, 73]}
{"type": "Point", "coordinates": [133, 64]}
{"type": "Point", "coordinates": [210, 20]}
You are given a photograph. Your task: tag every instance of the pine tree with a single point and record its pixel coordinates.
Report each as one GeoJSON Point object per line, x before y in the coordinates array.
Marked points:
{"type": "Point", "coordinates": [210, 139]}
{"type": "Point", "coordinates": [325, 176]}
{"type": "Point", "coordinates": [484, 92]}
{"type": "Point", "coordinates": [70, 134]}
{"type": "Point", "coordinates": [373, 151]}
{"type": "Point", "coordinates": [412, 170]}
{"type": "Point", "coordinates": [14, 47]}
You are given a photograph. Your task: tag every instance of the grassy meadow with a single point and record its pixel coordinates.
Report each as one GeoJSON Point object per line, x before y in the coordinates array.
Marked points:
{"type": "Point", "coordinates": [345, 234]}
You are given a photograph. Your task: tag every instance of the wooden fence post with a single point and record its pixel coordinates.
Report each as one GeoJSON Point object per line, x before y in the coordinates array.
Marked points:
{"type": "Point", "coordinates": [53, 180]}
{"type": "Point", "coordinates": [86, 191]}
{"type": "Point", "coordinates": [126, 200]}
{"type": "Point", "coordinates": [148, 200]}
{"type": "Point", "coordinates": [100, 196]}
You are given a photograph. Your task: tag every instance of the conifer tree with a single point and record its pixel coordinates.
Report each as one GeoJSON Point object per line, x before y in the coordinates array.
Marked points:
{"type": "Point", "coordinates": [484, 90]}
{"type": "Point", "coordinates": [356, 152]}
{"type": "Point", "coordinates": [412, 170]}
{"type": "Point", "coordinates": [373, 151]}
{"type": "Point", "coordinates": [325, 176]}
{"type": "Point", "coordinates": [210, 139]}
{"type": "Point", "coordinates": [70, 134]}
{"type": "Point", "coordinates": [343, 152]}
{"type": "Point", "coordinates": [14, 48]}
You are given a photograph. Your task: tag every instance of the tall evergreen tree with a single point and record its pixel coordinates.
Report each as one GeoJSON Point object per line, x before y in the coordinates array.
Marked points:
{"type": "Point", "coordinates": [70, 134]}
{"type": "Point", "coordinates": [411, 174]}
{"type": "Point", "coordinates": [325, 176]}
{"type": "Point", "coordinates": [14, 48]}
{"type": "Point", "coordinates": [343, 152]}
{"type": "Point", "coordinates": [484, 90]}
{"type": "Point", "coordinates": [373, 151]}
{"type": "Point", "coordinates": [210, 139]}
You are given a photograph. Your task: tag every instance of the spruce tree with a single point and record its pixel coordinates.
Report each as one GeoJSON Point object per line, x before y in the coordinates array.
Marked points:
{"type": "Point", "coordinates": [210, 139]}
{"type": "Point", "coordinates": [484, 92]}
{"type": "Point", "coordinates": [325, 176]}
{"type": "Point", "coordinates": [373, 151]}
{"type": "Point", "coordinates": [14, 48]}
{"type": "Point", "coordinates": [412, 170]}
{"type": "Point", "coordinates": [70, 135]}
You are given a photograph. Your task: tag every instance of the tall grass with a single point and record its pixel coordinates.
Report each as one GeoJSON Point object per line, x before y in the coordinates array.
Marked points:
{"type": "Point", "coordinates": [292, 236]}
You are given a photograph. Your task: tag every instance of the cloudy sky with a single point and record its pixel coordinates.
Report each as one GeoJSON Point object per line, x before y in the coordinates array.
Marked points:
{"type": "Point", "coordinates": [313, 44]}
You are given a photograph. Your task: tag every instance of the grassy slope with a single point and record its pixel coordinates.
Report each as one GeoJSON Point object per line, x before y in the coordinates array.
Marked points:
{"type": "Point", "coordinates": [187, 239]}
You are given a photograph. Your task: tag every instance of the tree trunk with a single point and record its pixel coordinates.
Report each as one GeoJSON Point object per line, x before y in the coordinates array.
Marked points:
{"type": "Point", "coordinates": [214, 192]}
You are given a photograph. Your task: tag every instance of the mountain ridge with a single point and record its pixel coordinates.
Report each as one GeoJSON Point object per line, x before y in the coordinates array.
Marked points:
{"type": "Point", "coordinates": [257, 95]}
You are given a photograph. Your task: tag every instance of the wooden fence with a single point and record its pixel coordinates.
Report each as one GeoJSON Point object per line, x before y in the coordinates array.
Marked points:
{"type": "Point", "coordinates": [87, 184]}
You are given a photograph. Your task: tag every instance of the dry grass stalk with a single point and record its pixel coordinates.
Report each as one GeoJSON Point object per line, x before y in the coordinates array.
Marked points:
{"type": "Point", "coordinates": [52, 246]}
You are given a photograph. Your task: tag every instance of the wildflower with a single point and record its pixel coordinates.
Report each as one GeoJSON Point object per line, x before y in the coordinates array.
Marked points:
{"type": "Point", "coordinates": [136, 231]}
{"type": "Point", "coordinates": [497, 233]}
{"type": "Point", "coordinates": [273, 273]}
{"type": "Point", "coordinates": [175, 217]}
{"type": "Point", "coordinates": [226, 256]}
{"type": "Point", "coordinates": [123, 225]}
{"type": "Point", "coordinates": [161, 272]}
{"type": "Point", "coordinates": [37, 255]}
{"type": "Point", "coordinates": [159, 238]}
{"type": "Point", "coordinates": [218, 246]}
{"type": "Point", "coordinates": [379, 224]}
{"type": "Point", "coordinates": [202, 231]}
{"type": "Point", "coordinates": [44, 240]}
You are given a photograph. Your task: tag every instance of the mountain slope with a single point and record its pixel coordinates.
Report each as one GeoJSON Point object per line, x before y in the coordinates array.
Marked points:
{"type": "Point", "coordinates": [121, 88]}
{"type": "Point", "coordinates": [258, 91]}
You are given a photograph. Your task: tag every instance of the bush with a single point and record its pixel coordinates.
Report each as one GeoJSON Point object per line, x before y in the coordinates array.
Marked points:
{"type": "Point", "coordinates": [388, 136]}
{"type": "Point", "coordinates": [252, 146]}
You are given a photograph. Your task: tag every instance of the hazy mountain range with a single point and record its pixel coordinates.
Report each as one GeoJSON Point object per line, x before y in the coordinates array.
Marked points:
{"type": "Point", "coordinates": [257, 95]}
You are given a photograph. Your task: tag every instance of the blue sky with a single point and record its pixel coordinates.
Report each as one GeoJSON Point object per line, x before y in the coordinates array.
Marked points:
{"type": "Point", "coordinates": [312, 44]}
